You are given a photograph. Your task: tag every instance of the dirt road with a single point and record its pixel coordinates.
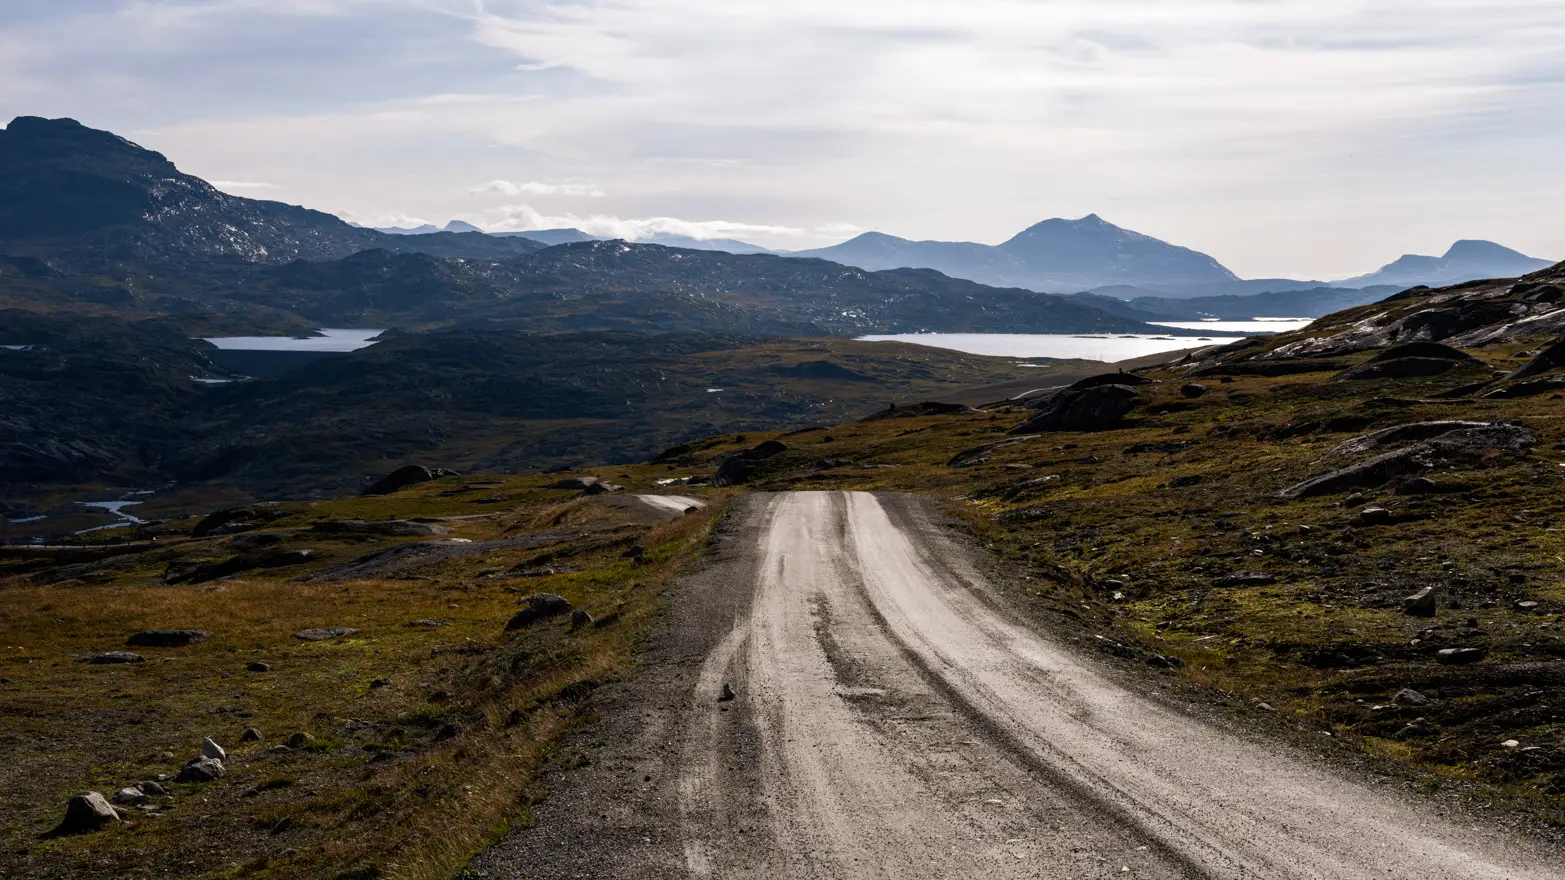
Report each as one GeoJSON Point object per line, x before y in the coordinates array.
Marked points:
{"type": "Point", "coordinates": [894, 719]}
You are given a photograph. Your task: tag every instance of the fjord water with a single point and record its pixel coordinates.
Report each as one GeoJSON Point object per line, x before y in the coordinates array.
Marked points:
{"type": "Point", "coordinates": [1095, 347]}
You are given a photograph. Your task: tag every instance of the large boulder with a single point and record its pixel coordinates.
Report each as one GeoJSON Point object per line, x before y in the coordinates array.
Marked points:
{"type": "Point", "coordinates": [238, 519]}
{"type": "Point", "coordinates": [200, 769]}
{"type": "Point", "coordinates": [408, 475]}
{"type": "Point", "coordinates": [736, 469]}
{"type": "Point", "coordinates": [541, 606]}
{"type": "Point", "coordinates": [86, 813]}
{"type": "Point", "coordinates": [1096, 408]}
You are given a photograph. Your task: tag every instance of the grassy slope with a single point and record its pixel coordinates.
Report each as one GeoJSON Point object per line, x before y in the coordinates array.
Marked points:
{"type": "Point", "coordinates": [384, 792]}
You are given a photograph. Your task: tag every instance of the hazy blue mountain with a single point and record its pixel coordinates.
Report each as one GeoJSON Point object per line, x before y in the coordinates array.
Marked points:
{"type": "Point", "coordinates": [1052, 256]}
{"type": "Point", "coordinates": [1466, 261]}
{"type": "Point", "coordinates": [724, 245]}
{"type": "Point", "coordinates": [550, 237]}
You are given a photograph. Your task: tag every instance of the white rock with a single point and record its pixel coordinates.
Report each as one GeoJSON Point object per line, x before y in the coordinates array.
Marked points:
{"type": "Point", "coordinates": [130, 796]}
{"type": "Point", "coordinates": [1510, 744]}
{"type": "Point", "coordinates": [210, 749]}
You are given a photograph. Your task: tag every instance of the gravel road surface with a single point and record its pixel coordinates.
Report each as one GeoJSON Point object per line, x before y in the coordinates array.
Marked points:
{"type": "Point", "coordinates": [893, 718]}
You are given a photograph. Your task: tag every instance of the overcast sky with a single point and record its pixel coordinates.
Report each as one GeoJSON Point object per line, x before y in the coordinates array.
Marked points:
{"type": "Point", "coordinates": [1300, 138]}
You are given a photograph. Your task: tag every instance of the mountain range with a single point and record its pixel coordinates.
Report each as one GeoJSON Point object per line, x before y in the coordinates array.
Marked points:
{"type": "Point", "coordinates": [551, 237]}
{"type": "Point", "coordinates": [1465, 261]}
{"type": "Point", "coordinates": [92, 222]}
{"type": "Point", "coordinates": [1087, 255]}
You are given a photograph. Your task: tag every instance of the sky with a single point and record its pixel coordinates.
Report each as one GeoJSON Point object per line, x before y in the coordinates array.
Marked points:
{"type": "Point", "coordinates": [1286, 138]}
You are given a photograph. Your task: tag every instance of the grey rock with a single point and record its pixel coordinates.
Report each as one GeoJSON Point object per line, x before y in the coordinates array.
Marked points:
{"type": "Point", "coordinates": [1374, 516]}
{"type": "Point", "coordinates": [131, 796]}
{"type": "Point", "coordinates": [426, 623]}
{"type": "Point", "coordinates": [1460, 656]}
{"type": "Point", "coordinates": [152, 789]}
{"type": "Point", "coordinates": [1421, 603]}
{"type": "Point", "coordinates": [1418, 486]}
{"type": "Point", "coordinates": [324, 633]}
{"type": "Point", "coordinates": [728, 693]}
{"type": "Point", "coordinates": [86, 813]}
{"type": "Point", "coordinates": [1192, 390]}
{"type": "Point", "coordinates": [540, 606]}
{"type": "Point", "coordinates": [1418, 727]}
{"type": "Point", "coordinates": [1245, 579]}
{"type": "Point", "coordinates": [167, 638]}
{"type": "Point", "coordinates": [210, 749]}
{"type": "Point", "coordinates": [110, 658]}
{"type": "Point", "coordinates": [1409, 697]}
{"type": "Point", "coordinates": [201, 769]}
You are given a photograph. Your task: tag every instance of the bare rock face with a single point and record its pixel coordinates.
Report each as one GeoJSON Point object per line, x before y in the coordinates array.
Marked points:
{"type": "Point", "coordinates": [86, 813]}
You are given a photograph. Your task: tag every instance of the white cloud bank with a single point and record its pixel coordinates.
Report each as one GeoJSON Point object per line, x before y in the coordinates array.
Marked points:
{"type": "Point", "coordinates": [533, 188]}
{"type": "Point", "coordinates": [1287, 137]}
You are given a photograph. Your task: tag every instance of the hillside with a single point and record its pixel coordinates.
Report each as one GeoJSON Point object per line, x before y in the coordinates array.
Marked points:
{"type": "Point", "coordinates": [101, 402]}
{"type": "Point", "coordinates": [86, 199]}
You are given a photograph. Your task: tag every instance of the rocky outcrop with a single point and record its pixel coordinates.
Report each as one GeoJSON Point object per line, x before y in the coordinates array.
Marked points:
{"type": "Point", "coordinates": [1094, 408]}
{"type": "Point", "coordinates": [395, 528]}
{"type": "Point", "coordinates": [167, 638]}
{"type": "Point", "coordinates": [738, 468]}
{"type": "Point", "coordinates": [403, 477]}
{"type": "Point", "coordinates": [1454, 441]}
{"type": "Point", "coordinates": [238, 519]}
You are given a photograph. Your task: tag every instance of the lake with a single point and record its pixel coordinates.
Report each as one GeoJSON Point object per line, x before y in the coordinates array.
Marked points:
{"type": "Point", "coordinates": [1094, 346]}
{"type": "Point", "coordinates": [336, 340]}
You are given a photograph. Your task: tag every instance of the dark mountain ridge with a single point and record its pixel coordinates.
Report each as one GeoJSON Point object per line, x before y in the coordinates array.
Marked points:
{"type": "Point", "coordinates": [87, 198]}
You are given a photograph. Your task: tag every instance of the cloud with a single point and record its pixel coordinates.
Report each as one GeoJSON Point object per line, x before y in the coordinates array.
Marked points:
{"type": "Point", "coordinates": [1285, 137]}
{"type": "Point", "coordinates": [525, 218]}
{"type": "Point", "coordinates": [507, 188]}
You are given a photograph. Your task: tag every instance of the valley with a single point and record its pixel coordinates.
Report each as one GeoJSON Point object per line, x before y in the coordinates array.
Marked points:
{"type": "Point", "coordinates": [613, 558]}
